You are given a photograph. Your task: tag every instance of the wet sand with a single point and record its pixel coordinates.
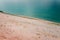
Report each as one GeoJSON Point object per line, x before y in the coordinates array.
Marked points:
{"type": "Point", "coordinates": [23, 28]}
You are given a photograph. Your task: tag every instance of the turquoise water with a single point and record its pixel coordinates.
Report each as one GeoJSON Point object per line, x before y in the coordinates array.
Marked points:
{"type": "Point", "coordinates": [48, 10]}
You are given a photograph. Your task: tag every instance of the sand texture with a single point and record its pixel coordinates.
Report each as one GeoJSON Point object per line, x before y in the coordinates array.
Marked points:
{"type": "Point", "coordinates": [22, 28]}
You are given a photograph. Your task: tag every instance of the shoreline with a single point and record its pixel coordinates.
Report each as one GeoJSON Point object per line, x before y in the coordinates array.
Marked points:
{"type": "Point", "coordinates": [33, 18]}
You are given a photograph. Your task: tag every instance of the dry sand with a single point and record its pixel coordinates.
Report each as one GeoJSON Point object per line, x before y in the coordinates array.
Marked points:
{"type": "Point", "coordinates": [22, 28]}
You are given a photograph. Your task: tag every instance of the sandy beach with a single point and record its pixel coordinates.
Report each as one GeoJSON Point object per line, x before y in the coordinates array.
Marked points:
{"type": "Point", "coordinates": [23, 28]}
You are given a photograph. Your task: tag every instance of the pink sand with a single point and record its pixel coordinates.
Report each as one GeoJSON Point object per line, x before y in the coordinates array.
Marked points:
{"type": "Point", "coordinates": [22, 28]}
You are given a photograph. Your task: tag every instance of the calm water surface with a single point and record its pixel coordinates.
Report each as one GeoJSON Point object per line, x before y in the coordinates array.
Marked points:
{"type": "Point", "coordinates": [44, 9]}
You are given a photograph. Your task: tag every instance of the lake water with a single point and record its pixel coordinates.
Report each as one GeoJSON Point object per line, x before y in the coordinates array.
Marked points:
{"type": "Point", "coordinates": [43, 9]}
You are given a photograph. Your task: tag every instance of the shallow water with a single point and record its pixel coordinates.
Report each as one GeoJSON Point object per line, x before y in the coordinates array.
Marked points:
{"type": "Point", "coordinates": [46, 9]}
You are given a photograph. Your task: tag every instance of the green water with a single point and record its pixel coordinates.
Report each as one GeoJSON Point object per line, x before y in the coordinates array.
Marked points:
{"type": "Point", "coordinates": [48, 10]}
